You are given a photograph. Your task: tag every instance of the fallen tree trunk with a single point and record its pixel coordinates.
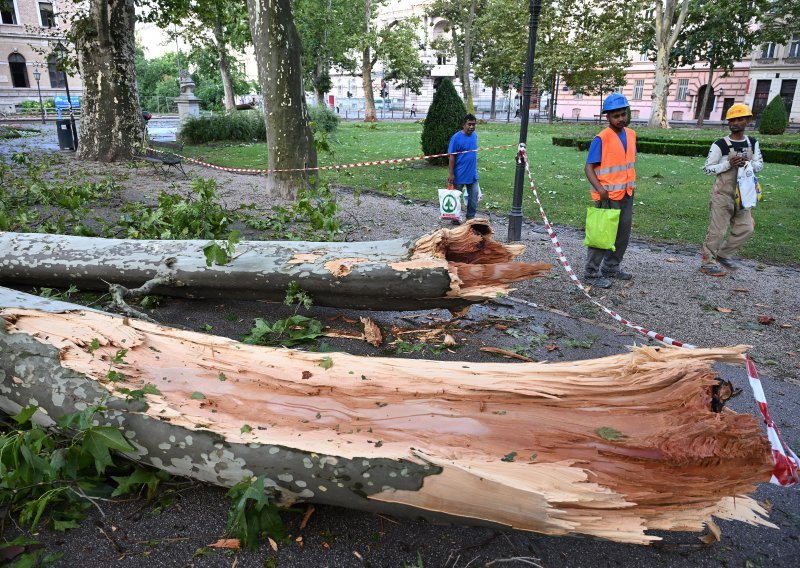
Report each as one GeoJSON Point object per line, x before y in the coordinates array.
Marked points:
{"type": "Point", "coordinates": [609, 447]}
{"type": "Point", "coordinates": [449, 268]}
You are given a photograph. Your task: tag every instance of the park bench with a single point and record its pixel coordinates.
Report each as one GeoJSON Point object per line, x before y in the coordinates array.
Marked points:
{"type": "Point", "coordinates": [162, 156]}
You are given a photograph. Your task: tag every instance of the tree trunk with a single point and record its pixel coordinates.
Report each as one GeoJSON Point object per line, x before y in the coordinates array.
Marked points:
{"type": "Point", "coordinates": [466, 70]}
{"type": "Point", "coordinates": [449, 268]}
{"type": "Point", "coordinates": [319, 70]}
{"type": "Point", "coordinates": [221, 45]}
{"type": "Point", "coordinates": [493, 112]}
{"type": "Point", "coordinates": [706, 95]}
{"type": "Point", "coordinates": [608, 448]}
{"type": "Point", "coordinates": [667, 28]}
{"type": "Point", "coordinates": [111, 123]}
{"type": "Point", "coordinates": [366, 69]}
{"type": "Point", "coordinates": [290, 142]}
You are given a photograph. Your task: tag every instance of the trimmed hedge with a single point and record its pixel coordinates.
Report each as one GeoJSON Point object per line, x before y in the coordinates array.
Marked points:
{"type": "Point", "coordinates": [241, 126]}
{"type": "Point", "coordinates": [774, 118]}
{"type": "Point", "coordinates": [783, 144]}
{"type": "Point", "coordinates": [687, 148]}
{"type": "Point", "coordinates": [444, 118]}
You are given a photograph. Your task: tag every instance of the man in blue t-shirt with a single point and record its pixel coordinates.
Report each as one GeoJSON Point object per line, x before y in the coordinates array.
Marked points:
{"type": "Point", "coordinates": [464, 167]}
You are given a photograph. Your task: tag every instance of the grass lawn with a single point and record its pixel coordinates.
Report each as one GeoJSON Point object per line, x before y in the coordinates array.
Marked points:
{"type": "Point", "coordinates": [671, 198]}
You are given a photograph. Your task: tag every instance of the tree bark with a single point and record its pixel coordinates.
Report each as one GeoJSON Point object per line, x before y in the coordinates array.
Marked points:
{"type": "Point", "coordinates": [667, 28]}
{"type": "Point", "coordinates": [493, 112]}
{"type": "Point", "coordinates": [221, 44]}
{"type": "Point", "coordinates": [366, 69]}
{"type": "Point", "coordinates": [701, 119]}
{"type": "Point", "coordinates": [449, 268]}
{"type": "Point", "coordinates": [608, 448]}
{"type": "Point", "coordinates": [466, 70]}
{"type": "Point", "coordinates": [111, 123]}
{"type": "Point", "coordinates": [290, 142]}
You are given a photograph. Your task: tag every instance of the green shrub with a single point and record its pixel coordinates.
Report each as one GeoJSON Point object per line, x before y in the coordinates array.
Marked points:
{"type": "Point", "coordinates": [562, 141]}
{"type": "Point", "coordinates": [774, 119]}
{"type": "Point", "coordinates": [241, 126]}
{"type": "Point", "coordinates": [323, 119]}
{"type": "Point", "coordinates": [444, 119]}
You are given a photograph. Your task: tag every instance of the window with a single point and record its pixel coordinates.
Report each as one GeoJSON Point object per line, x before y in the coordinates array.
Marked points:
{"type": "Point", "coordinates": [441, 60]}
{"type": "Point", "coordinates": [578, 96]}
{"type": "Point", "coordinates": [794, 46]}
{"type": "Point", "coordinates": [677, 115]}
{"type": "Point", "coordinates": [19, 71]}
{"type": "Point", "coordinates": [638, 89]}
{"type": "Point", "coordinates": [58, 79]}
{"type": "Point", "coordinates": [46, 15]}
{"type": "Point", "coordinates": [643, 57]}
{"type": "Point", "coordinates": [8, 12]}
{"type": "Point", "coordinates": [619, 89]}
{"type": "Point", "coordinates": [768, 51]}
{"type": "Point", "coordinates": [683, 90]}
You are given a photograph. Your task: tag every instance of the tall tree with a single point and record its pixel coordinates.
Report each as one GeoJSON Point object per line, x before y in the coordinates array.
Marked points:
{"type": "Point", "coordinates": [329, 34]}
{"type": "Point", "coordinates": [462, 15]}
{"type": "Point", "coordinates": [217, 24]}
{"type": "Point", "coordinates": [290, 142]}
{"type": "Point", "coordinates": [501, 43]}
{"type": "Point", "coordinates": [720, 32]}
{"type": "Point", "coordinates": [111, 123]}
{"type": "Point", "coordinates": [668, 17]}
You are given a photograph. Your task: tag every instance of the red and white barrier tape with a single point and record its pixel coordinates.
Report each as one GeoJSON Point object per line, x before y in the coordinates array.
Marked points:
{"type": "Point", "coordinates": [786, 470]}
{"type": "Point", "coordinates": [321, 168]}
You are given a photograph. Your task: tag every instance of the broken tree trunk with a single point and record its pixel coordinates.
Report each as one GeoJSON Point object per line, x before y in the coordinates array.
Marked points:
{"type": "Point", "coordinates": [449, 268]}
{"type": "Point", "coordinates": [610, 448]}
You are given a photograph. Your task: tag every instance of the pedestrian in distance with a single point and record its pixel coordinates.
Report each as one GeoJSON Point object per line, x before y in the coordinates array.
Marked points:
{"type": "Point", "coordinates": [464, 167]}
{"type": "Point", "coordinates": [610, 169]}
{"type": "Point", "coordinates": [413, 110]}
{"type": "Point", "coordinates": [726, 214]}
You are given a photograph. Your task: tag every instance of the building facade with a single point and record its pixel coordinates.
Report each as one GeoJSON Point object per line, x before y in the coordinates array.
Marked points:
{"type": "Point", "coordinates": [27, 30]}
{"type": "Point", "coordinates": [774, 72]}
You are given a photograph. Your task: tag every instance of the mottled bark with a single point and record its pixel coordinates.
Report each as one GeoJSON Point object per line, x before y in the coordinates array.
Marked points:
{"type": "Point", "coordinates": [449, 268]}
{"type": "Point", "coordinates": [111, 120]}
{"type": "Point", "coordinates": [609, 447]}
{"type": "Point", "coordinates": [493, 111]}
{"type": "Point", "coordinates": [667, 28]}
{"type": "Point", "coordinates": [466, 60]}
{"type": "Point", "coordinates": [290, 142]}
{"type": "Point", "coordinates": [221, 46]}
{"type": "Point", "coordinates": [366, 69]}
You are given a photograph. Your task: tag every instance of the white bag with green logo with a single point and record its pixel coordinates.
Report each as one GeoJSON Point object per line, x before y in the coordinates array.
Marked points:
{"type": "Point", "coordinates": [450, 204]}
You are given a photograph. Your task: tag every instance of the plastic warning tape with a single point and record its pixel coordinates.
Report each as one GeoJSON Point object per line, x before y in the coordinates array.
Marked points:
{"type": "Point", "coordinates": [786, 471]}
{"type": "Point", "coordinates": [321, 168]}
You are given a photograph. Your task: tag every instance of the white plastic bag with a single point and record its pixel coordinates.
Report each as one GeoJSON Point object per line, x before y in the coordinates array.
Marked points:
{"type": "Point", "coordinates": [449, 204]}
{"type": "Point", "coordinates": [746, 180]}
{"type": "Point", "coordinates": [465, 196]}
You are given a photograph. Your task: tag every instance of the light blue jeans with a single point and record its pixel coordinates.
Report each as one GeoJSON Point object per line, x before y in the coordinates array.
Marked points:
{"type": "Point", "coordinates": [472, 196]}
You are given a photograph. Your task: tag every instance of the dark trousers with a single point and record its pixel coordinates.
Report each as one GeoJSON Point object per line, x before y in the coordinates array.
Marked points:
{"type": "Point", "coordinates": [601, 262]}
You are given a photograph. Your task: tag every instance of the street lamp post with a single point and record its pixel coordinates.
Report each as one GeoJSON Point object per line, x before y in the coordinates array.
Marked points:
{"type": "Point", "coordinates": [515, 217]}
{"type": "Point", "coordinates": [38, 75]}
{"type": "Point", "coordinates": [61, 54]}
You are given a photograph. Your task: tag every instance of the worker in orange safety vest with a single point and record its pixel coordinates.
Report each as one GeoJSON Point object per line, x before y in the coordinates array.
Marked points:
{"type": "Point", "coordinates": [611, 173]}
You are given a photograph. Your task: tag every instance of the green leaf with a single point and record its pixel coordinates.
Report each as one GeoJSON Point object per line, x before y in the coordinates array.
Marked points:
{"type": "Point", "coordinates": [198, 395]}
{"type": "Point", "coordinates": [62, 526]}
{"type": "Point", "coordinates": [25, 414]}
{"type": "Point", "coordinates": [114, 376]}
{"type": "Point", "coordinates": [216, 254]}
{"type": "Point", "coordinates": [222, 376]}
{"type": "Point", "coordinates": [94, 345]}
{"type": "Point", "coordinates": [99, 439]}
{"type": "Point", "coordinates": [609, 434]}
{"type": "Point", "coordinates": [140, 476]}
{"type": "Point", "coordinates": [509, 457]}
{"type": "Point", "coordinates": [326, 363]}
{"type": "Point", "coordinates": [119, 357]}
{"type": "Point", "coordinates": [245, 429]}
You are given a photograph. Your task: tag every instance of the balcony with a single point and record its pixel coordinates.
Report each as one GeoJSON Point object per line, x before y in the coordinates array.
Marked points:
{"type": "Point", "coordinates": [443, 71]}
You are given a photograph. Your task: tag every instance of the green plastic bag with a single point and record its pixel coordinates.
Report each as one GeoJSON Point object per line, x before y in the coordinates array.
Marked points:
{"type": "Point", "coordinates": [601, 228]}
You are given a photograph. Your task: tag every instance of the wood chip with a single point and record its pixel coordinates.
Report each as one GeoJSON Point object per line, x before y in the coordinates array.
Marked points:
{"type": "Point", "coordinates": [724, 310]}
{"type": "Point", "coordinates": [787, 326]}
{"type": "Point", "coordinates": [507, 353]}
{"type": "Point", "coordinates": [741, 290]}
{"type": "Point", "coordinates": [766, 320]}
{"type": "Point", "coordinates": [372, 333]}
{"type": "Point", "coordinates": [448, 341]}
{"type": "Point", "coordinates": [232, 543]}
{"type": "Point", "coordinates": [713, 535]}
{"type": "Point", "coordinates": [672, 259]}
{"type": "Point", "coordinates": [306, 516]}
{"type": "Point", "coordinates": [273, 545]}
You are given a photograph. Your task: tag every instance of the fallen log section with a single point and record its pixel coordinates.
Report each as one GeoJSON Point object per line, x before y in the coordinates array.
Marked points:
{"type": "Point", "coordinates": [449, 268]}
{"type": "Point", "coordinates": [611, 447]}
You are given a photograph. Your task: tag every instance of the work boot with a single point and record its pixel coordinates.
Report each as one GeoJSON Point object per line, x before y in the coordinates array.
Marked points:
{"type": "Point", "coordinates": [713, 270]}
{"type": "Point", "coordinates": [619, 275]}
{"type": "Point", "coordinates": [728, 263]}
{"type": "Point", "coordinates": [597, 281]}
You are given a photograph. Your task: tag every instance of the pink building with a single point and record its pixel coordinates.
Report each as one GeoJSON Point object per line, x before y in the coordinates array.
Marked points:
{"type": "Point", "coordinates": [685, 93]}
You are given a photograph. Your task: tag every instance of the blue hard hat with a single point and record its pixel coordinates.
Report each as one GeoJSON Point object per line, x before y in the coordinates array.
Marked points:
{"type": "Point", "coordinates": [615, 101]}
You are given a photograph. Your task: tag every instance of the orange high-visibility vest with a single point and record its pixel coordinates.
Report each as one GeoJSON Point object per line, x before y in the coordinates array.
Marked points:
{"type": "Point", "coordinates": [616, 169]}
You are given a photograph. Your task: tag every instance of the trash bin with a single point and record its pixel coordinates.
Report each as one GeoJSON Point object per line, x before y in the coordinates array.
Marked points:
{"type": "Point", "coordinates": [66, 140]}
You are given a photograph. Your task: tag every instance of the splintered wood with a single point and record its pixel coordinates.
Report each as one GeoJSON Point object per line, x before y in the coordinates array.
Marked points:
{"type": "Point", "coordinates": [610, 447]}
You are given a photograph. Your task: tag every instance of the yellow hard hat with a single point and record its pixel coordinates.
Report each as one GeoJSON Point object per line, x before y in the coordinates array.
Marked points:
{"type": "Point", "coordinates": [737, 110]}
